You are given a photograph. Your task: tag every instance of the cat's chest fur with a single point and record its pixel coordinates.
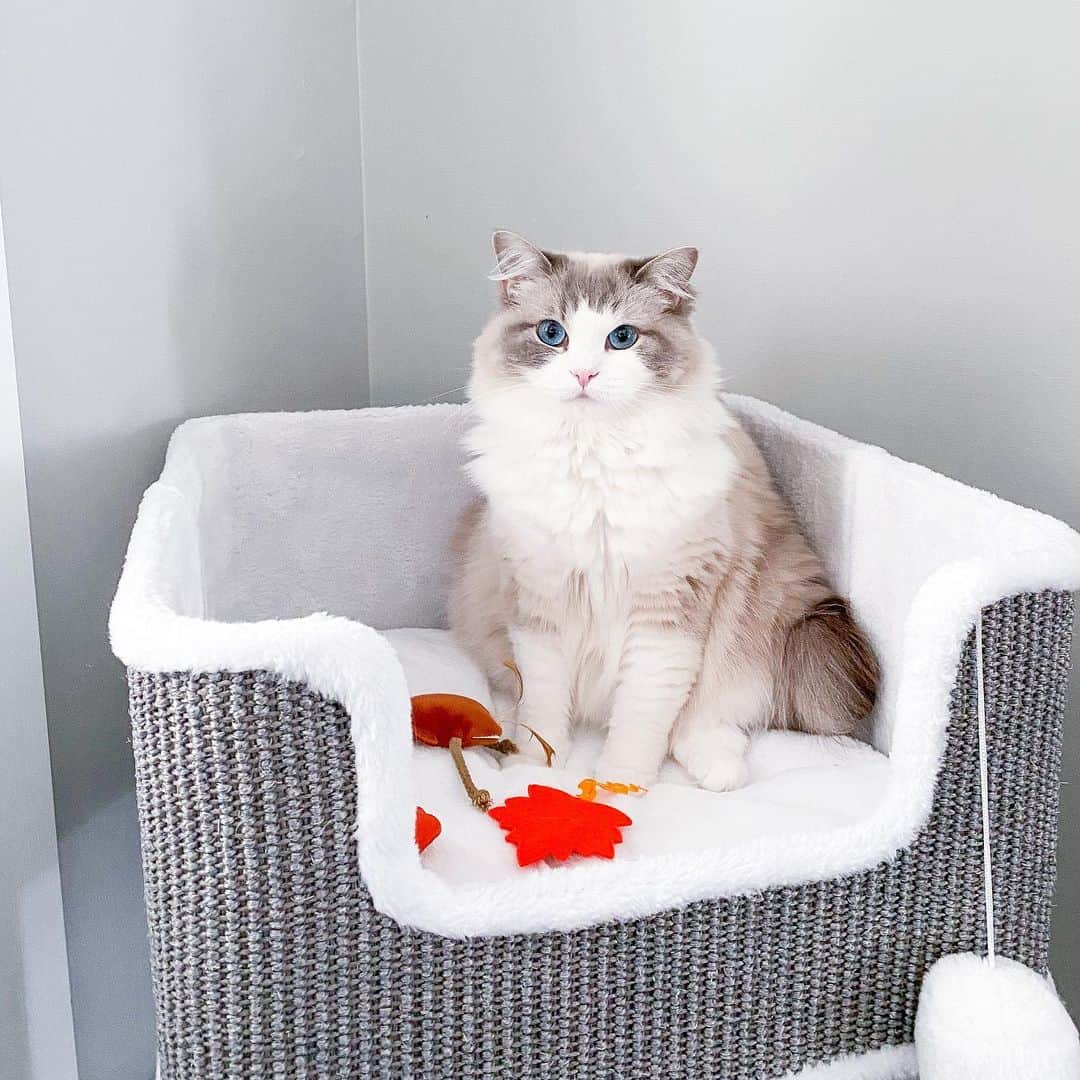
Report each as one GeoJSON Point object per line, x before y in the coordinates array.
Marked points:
{"type": "Point", "coordinates": [584, 520]}
{"type": "Point", "coordinates": [588, 532]}
{"type": "Point", "coordinates": [571, 515]}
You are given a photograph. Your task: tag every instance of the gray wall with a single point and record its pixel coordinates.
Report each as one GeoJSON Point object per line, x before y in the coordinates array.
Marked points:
{"type": "Point", "coordinates": [36, 1033]}
{"type": "Point", "coordinates": [885, 199]}
{"type": "Point", "coordinates": [182, 198]}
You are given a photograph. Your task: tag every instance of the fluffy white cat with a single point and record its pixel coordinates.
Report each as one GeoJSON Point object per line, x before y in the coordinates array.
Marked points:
{"type": "Point", "coordinates": [629, 552]}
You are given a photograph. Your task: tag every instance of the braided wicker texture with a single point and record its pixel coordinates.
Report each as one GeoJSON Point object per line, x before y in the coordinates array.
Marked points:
{"type": "Point", "coordinates": [270, 961]}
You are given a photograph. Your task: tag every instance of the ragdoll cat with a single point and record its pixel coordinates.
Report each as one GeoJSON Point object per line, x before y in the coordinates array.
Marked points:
{"type": "Point", "coordinates": [629, 552]}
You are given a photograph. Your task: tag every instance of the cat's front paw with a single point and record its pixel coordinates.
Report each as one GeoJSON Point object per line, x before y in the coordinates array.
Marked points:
{"type": "Point", "coordinates": [725, 773]}
{"type": "Point", "coordinates": [714, 760]}
{"type": "Point", "coordinates": [610, 769]}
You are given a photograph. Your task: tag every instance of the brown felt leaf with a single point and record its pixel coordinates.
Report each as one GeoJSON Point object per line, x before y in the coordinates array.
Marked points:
{"type": "Point", "coordinates": [438, 718]}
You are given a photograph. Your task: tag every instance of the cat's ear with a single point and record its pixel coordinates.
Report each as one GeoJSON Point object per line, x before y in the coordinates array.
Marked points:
{"type": "Point", "coordinates": [516, 260]}
{"type": "Point", "coordinates": [670, 275]}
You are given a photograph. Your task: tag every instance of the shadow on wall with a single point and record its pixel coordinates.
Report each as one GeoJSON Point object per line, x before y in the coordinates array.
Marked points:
{"type": "Point", "coordinates": [252, 324]}
{"type": "Point", "coordinates": [241, 303]}
{"type": "Point", "coordinates": [266, 287]}
{"type": "Point", "coordinates": [80, 533]}
{"type": "Point", "coordinates": [27, 888]}
{"type": "Point", "coordinates": [116, 1012]}
{"type": "Point", "coordinates": [205, 248]}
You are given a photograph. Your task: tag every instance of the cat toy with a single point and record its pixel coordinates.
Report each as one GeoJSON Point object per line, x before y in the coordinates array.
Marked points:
{"type": "Point", "coordinates": [546, 823]}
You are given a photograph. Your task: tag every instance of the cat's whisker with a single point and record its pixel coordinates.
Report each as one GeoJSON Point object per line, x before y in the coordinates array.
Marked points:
{"type": "Point", "coordinates": [446, 393]}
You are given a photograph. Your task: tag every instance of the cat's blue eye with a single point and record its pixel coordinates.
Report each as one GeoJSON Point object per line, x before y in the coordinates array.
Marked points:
{"type": "Point", "coordinates": [551, 333]}
{"type": "Point", "coordinates": [622, 337]}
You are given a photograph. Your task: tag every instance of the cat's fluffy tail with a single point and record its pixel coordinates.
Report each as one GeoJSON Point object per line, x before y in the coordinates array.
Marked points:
{"type": "Point", "coordinates": [829, 674]}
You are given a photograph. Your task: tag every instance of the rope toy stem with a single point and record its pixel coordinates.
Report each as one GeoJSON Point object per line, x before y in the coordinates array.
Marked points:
{"type": "Point", "coordinates": [479, 797]}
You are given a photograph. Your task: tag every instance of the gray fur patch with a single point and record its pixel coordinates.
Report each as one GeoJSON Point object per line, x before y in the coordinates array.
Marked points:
{"type": "Point", "coordinates": [652, 295]}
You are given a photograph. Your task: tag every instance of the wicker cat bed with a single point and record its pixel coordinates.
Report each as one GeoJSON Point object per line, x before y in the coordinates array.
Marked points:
{"type": "Point", "coordinates": [296, 933]}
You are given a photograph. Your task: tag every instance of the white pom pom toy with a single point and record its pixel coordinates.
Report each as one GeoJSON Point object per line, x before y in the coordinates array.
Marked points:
{"type": "Point", "coordinates": [991, 1018]}
{"type": "Point", "coordinates": [999, 1022]}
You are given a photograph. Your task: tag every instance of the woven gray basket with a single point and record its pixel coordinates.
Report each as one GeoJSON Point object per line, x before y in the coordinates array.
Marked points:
{"type": "Point", "coordinates": [270, 961]}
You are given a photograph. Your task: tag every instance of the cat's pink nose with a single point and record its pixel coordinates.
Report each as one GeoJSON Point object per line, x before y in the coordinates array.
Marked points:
{"type": "Point", "coordinates": [584, 377]}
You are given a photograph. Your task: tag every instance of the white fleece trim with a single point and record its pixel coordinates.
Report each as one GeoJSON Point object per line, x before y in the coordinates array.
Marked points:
{"type": "Point", "coordinates": [356, 666]}
{"type": "Point", "coordinates": [886, 1063]}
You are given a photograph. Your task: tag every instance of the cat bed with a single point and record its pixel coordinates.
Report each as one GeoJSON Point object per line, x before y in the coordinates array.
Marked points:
{"type": "Point", "coordinates": [256, 613]}
{"type": "Point", "coordinates": [258, 521]}
{"type": "Point", "coordinates": [820, 783]}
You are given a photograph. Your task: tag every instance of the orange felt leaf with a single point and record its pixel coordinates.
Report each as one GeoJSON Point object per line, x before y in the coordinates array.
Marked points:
{"type": "Point", "coordinates": [438, 718]}
{"type": "Point", "coordinates": [588, 788]}
{"type": "Point", "coordinates": [428, 826]}
{"type": "Point", "coordinates": [550, 824]}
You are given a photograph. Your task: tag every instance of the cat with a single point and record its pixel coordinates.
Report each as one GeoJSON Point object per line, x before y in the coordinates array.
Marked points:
{"type": "Point", "coordinates": [628, 551]}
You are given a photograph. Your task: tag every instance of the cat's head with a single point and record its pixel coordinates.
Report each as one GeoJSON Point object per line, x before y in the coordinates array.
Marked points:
{"type": "Point", "coordinates": [578, 332]}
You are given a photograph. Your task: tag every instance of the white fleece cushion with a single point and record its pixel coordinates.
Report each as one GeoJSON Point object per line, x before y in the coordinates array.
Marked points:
{"type": "Point", "coordinates": [822, 783]}
{"type": "Point", "coordinates": [261, 525]}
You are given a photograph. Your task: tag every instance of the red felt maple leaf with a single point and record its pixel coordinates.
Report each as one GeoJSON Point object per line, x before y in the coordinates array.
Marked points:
{"type": "Point", "coordinates": [550, 824]}
{"type": "Point", "coordinates": [428, 826]}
